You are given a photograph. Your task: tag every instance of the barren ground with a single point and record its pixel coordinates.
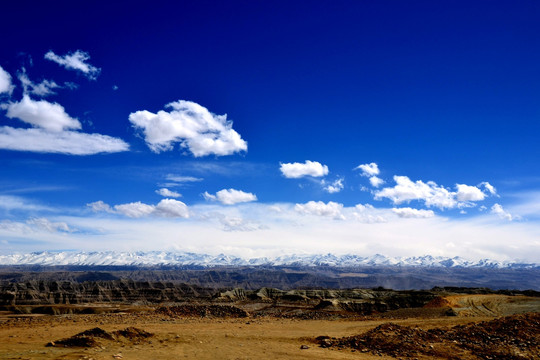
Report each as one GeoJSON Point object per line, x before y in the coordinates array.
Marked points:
{"type": "Point", "coordinates": [264, 337]}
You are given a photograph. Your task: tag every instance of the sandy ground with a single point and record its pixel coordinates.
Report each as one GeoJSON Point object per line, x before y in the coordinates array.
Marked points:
{"type": "Point", "coordinates": [265, 338]}
{"type": "Point", "coordinates": [26, 336]}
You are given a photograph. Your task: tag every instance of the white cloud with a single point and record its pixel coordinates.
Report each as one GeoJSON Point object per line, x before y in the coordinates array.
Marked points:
{"type": "Point", "coordinates": [490, 188]}
{"type": "Point", "coordinates": [168, 193]}
{"type": "Point", "coordinates": [334, 187]}
{"type": "Point", "coordinates": [47, 225]}
{"type": "Point", "coordinates": [469, 193]}
{"type": "Point", "coordinates": [406, 190]}
{"type": "Point", "coordinates": [75, 61]}
{"type": "Point", "coordinates": [44, 88]}
{"type": "Point", "coordinates": [498, 210]}
{"type": "Point", "coordinates": [371, 171]}
{"type": "Point", "coordinates": [182, 179]}
{"type": "Point", "coordinates": [298, 170]}
{"type": "Point", "coordinates": [43, 114]}
{"type": "Point", "coordinates": [368, 170]}
{"type": "Point", "coordinates": [167, 208]}
{"type": "Point", "coordinates": [134, 209]}
{"type": "Point", "coordinates": [192, 126]}
{"type": "Point", "coordinates": [236, 223]}
{"type": "Point", "coordinates": [376, 181]}
{"type": "Point", "coordinates": [230, 196]}
{"type": "Point", "coordinates": [100, 206]}
{"type": "Point", "coordinates": [288, 231]}
{"type": "Point", "coordinates": [319, 208]}
{"type": "Point", "coordinates": [14, 227]}
{"type": "Point", "coordinates": [368, 214]}
{"type": "Point", "coordinates": [10, 202]}
{"type": "Point", "coordinates": [64, 142]}
{"type": "Point", "coordinates": [408, 212]}
{"type": "Point", "coordinates": [5, 82]}
{"type": "Point", "coordinates": [172, 208]}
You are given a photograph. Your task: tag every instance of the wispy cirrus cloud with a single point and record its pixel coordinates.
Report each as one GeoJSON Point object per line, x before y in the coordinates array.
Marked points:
{"type": "Point", "coordinates": [77, 61]}
{"type": "Point", "coordinates": [44, 88]}
{"type": "Point", "coordinates": [64, 142]}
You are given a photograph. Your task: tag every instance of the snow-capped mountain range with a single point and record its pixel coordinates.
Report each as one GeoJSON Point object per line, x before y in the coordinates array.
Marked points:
{"type": "Point", "coordinates": [153, 258]}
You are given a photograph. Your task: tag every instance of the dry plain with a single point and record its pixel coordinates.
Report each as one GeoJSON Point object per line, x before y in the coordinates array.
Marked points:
{"type": "Point", "coordinates": [174, 335]}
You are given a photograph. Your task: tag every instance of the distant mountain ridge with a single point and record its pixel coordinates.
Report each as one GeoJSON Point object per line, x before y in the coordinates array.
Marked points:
{"type": "Point", "coordinates": [161, 258]}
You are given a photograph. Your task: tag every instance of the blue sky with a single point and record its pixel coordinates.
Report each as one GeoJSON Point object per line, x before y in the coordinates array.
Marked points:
{"type": "Point", "coordinates": [261, 128]}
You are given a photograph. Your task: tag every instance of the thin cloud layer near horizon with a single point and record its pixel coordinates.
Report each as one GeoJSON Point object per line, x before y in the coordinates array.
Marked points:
{"type": "Point", "coordinates": [256, 129]}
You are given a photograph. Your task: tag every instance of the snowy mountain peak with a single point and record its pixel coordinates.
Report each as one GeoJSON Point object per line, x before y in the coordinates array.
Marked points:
{"type": "Point", "coordinates": [153, 258]}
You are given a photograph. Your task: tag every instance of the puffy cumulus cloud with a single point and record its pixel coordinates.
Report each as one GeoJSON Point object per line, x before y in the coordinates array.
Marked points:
{"type": "Point", "coordinates": [230, 196]}
{"type": "Point", "coordinates": [5, 82]}
{"type": "Point", "coordinates": [333, 187]}
{"type": "Point", "coordinates": [298, 170]}
{"type": "Point", "coordinates": [319, 208]}
{"type": "Point", "coordinates": [408, 212]}
{"type": "Point", "coordinates": [371, 171]}
{"type": "Point", "coordinates": [498, 210]}
{"type": "Point", "coordinates": [192, 126]}
{"type": "Point", "coordinates": [406, 190]}
{"type": "Point", "coordinates": [47, 225]}
{"type": "Point", "coordinates": [432, 194]}
{"type": "Point", "coordinates": [376, 181]}
{"type": "Point", "coordinates": [44, 88]}
{"type": "Point", "coordinates": [134, 209]}
{"type": "Point", "coordinates": [168, 193]}
{"type": "Point", "coordinates": [51, 131]}
{"type": "Point", "coordinates": [100, 206]}
{"type": "Point", "coordinates": [469, 193]}
{"type": "Point", "coordinates": [64, 142]}
{"type": "Point", "coordinates": [168, 208]}
{"type": "Point", "coordinates": [75, 61]}
{"type": "Point", "coordinates": [42, 114]}
{"type": "Point", "coordinates": [368, 170]}
{"type": "Point", "coordinates": [172, 208]}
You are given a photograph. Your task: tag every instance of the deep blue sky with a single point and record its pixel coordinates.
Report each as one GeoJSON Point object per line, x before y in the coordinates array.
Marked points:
{"type": "Point", "coordinates": [435, 91]}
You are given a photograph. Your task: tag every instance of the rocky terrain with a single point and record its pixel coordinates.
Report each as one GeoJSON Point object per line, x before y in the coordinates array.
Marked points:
{"type": "Point", "coordinates": [287, 277]}
{"type": "Point", "coordinates": [507, 338]}
{"type": "Point", "coordinates": [124, 313]}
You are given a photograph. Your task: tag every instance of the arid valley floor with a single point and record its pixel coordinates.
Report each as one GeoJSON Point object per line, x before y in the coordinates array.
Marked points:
{"type": "Point", "coordinates": [121, 319]}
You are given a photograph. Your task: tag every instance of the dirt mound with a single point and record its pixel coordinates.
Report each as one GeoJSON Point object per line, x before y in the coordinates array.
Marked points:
{"type": "Point", "coordinates": [94, 337]}
{"type": "Point", "coordinates": [438, 302]}
{"type": "Point", "coordinates": [195, 310]}
{"type": "Point", "coordinates": [512, 337]}
{"type": "Point", "coordinates": [132, 333]}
